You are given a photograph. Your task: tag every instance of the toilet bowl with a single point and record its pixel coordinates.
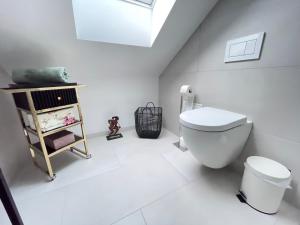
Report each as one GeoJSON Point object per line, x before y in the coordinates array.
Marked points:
{"type": "Point", "coordinates": [215, 137]}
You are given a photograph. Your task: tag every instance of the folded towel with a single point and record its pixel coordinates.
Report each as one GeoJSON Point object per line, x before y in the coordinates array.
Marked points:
{"type": "Point", "coordinates": [48, 75]}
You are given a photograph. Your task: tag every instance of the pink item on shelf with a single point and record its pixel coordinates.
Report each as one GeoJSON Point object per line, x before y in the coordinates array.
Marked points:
{"type": "Point", "coordinates": [52, 120]}
{"type": "Point", "coordinates": [59, 139]}
{"type": "Point", "coordinates": [69, 120]}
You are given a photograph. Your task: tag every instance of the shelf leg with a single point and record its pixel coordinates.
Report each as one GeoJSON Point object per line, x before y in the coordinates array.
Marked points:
{"type": "Point", "coordinates": [88, 156]}
{"type": "Point", "coordinates": [32, 154]}
{"type": "Point", "coordinates": [53, 177]}
{"type": "Point", "coordinates": [40, 136]}
{"type": "Point", "coordinates": [80, 153]}
{"type": "Point", "coordinates": [27, 136]}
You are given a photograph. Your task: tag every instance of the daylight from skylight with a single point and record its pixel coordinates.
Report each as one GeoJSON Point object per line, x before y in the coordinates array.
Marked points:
{"type": "Point", "coordinates": [147, 3]}
{"type": "Point", "coordinates": [127, 22]}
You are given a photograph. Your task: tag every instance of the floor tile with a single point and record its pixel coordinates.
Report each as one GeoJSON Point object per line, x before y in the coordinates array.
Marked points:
{"type": "Point", "coordinates": [209, 201]}
{"type": "Point", "coordinates": [113, 195]}
{"type": "Point", "coordinates": [287, 215]}
{"type": "Point", "coordinates": [138, 182]}
{"type": "Point", "coordinates": [45, 209]}
{"type": "Point", "coordinates": [130, 148]}
{"type": "Point", "coordinates": [184, 162]}
{"type": "Point", "coordinates": [69, 168]}
{"type": "Point", "coordinates": [133, 219]}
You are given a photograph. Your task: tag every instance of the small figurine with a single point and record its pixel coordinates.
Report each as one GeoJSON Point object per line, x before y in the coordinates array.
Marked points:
{"type": "Point", "coordinates": [114, 128]}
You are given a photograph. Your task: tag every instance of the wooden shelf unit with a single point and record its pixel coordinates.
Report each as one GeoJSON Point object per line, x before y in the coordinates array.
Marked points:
{"type": "Point", "coordinates": [40, 147]}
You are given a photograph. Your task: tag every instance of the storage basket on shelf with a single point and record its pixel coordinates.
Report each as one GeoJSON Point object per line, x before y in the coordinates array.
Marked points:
{"type": "Point", "coordinates": [148, 121]}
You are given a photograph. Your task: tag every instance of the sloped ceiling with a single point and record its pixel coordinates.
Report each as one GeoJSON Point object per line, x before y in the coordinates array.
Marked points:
{"type": "Point", "coordinates": [42, 32]}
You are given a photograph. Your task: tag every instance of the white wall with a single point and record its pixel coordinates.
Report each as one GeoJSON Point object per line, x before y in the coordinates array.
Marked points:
{"type": "Point", "coordinates": [116, 95]}
{"type": "Point", "coordinates": [12, 152]}
{"type": "Point", "coordinates": [267, 90]}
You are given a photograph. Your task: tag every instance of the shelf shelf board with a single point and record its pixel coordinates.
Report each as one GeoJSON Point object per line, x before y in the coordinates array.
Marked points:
{"type": "Point", "coordinates": [32, 131]}
{"type": "Point", "coordinates": [61, 128]}
{"type": "Point", "coordinates": [56, 108]}
{"type": "Point", "coordinates": [49, 109]}
{"type": "Point", "coordinates": [18, 90]}
{"type": "Point", "coordinates": [52, 152]}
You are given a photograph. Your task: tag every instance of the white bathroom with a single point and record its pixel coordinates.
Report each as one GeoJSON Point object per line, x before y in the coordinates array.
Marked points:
{"type": "Point", "coordinates": [149, 112]}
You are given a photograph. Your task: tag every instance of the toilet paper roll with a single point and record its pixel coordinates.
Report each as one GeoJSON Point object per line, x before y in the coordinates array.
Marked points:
{"type": "Point", "coordinates": [186, 90]}
{"type": "Point", "coordinates": [187, 98]}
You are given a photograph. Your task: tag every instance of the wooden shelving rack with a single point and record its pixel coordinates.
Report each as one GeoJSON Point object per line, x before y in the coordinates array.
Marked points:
{"type": "Point", "coordinates": [40, 147]}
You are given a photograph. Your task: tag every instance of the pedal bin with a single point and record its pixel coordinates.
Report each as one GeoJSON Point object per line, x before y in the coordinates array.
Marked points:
{"type": "Point", "coordinates": [264, 183]}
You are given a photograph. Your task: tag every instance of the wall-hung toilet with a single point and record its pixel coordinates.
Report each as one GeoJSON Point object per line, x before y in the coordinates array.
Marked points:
{"type": "Point", "coordinates": [215, 137]}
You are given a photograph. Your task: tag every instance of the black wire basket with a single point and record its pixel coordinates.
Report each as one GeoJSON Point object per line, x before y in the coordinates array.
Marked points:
{"type": "Point", "coordinates": [148, 121]}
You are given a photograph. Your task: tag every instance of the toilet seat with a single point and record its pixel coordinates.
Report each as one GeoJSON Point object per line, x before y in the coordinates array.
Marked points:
{"type": "Point", "coordinates": [211, 119]}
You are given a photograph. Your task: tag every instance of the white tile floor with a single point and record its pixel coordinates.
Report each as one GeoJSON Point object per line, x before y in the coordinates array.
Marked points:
{"type": "Point", "coordinates": [134, 181]}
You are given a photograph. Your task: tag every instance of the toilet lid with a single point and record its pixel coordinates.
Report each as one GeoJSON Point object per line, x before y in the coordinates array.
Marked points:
{"type": "Point", "coordinates": [268, 168]}
{"type": "Point", "coordinates": [211, 119]}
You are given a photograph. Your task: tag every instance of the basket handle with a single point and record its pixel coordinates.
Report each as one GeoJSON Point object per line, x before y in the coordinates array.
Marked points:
{"type": "Point", "coordinates": [149, 104]}
{"type": "Point", "coordinates": [148, 108]}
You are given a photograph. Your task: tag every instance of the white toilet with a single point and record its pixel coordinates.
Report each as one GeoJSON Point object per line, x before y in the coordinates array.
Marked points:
{"type": "Point", "coordinates": [215, 137]}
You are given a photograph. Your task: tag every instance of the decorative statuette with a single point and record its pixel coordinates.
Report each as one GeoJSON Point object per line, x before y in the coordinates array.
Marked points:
{"type": "Point", "coordinates": [114, 128]}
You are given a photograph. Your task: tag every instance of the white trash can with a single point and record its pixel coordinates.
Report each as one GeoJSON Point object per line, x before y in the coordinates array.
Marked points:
{"type": "Point", "coordinates": [264, 183]}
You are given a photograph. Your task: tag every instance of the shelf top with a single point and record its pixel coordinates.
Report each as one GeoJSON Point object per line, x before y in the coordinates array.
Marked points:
{"type": "Point", "coordinates": [53, 131]}
{"type": "Point", "coordinates": [18, 90]}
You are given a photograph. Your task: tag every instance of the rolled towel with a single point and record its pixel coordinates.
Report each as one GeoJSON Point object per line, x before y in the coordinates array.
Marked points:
{"type": "Point", "coordinates": [49, 75]}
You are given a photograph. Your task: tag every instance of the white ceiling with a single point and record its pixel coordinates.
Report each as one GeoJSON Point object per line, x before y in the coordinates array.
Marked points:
{"type": "Point", "coordinates": [46, 36]}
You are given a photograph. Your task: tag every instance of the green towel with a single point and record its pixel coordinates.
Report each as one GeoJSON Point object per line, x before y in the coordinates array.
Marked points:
{"type": "Point", "coordinates": [48, 75]}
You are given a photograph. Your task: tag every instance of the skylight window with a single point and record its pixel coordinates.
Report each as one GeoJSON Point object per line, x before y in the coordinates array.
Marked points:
{"type": "Point", "coordinates": [115, 21]}
{"type": "Point", "coordinates": [147, 3]}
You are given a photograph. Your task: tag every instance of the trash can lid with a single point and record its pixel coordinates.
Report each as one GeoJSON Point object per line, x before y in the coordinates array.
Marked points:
{"type": "Point", "coordinates": [269, 168]}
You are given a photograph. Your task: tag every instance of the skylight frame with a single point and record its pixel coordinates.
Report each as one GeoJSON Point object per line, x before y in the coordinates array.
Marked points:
{"type": "Point", "coordinates": [137, 2]}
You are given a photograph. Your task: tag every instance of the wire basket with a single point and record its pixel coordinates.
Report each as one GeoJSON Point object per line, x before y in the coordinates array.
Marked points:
{"type": "Point", "coordinates": [148, 121]}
